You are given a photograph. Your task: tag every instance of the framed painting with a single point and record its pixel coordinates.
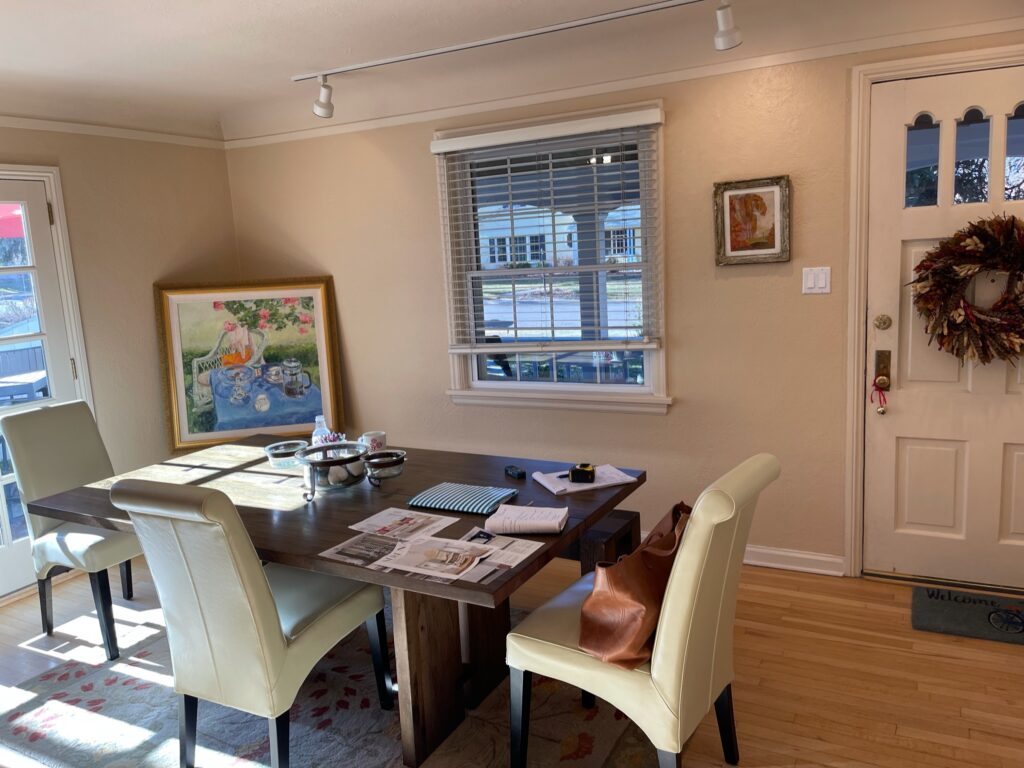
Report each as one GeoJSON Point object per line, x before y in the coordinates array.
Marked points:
{"type": "Point", "coordinates": [752, 221]}
{"type": "Point", "coordinates": [249, 358]}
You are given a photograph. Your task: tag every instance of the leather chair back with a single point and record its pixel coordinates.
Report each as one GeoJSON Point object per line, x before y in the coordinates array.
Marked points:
{"type": "Point", "coordinates": [692, 659]}
{"type": "Point", "coordinates": [54, 448]}
{"type": "Point", "coordinates": [222, 623]}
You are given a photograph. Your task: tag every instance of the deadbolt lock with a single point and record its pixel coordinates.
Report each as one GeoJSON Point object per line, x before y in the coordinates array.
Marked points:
{"type": "Point", "coordinates": [883, 322]}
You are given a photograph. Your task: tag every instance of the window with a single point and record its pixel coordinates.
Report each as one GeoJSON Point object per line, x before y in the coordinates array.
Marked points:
{"type": "Point", "coordinates": [922, 184]}
{"type": "Point", "coordinates": [575, 306]}
{"type": "Point", "coordinates": [970, 174]}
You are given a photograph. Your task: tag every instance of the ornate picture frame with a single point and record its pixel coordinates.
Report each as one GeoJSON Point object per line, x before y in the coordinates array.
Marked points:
{"type": "Point", "coordinates": [752, 221]}
{"type": "Point", "coordinates": [248, 358]}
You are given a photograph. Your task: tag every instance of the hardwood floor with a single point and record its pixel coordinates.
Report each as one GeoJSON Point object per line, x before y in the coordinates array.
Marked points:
{"type": "Point", "coordinates": [829, 672]}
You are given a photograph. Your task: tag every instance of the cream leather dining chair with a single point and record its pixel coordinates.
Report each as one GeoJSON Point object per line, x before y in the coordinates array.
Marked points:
{"type": "Point", "coordinates": [56, 448]}
{"type": "Point", "coordinates": [240, 634]}
{"type": "Point", "coordinates": [691, 666]}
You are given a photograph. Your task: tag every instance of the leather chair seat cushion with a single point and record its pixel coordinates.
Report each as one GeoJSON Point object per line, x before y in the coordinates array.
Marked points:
{"type": "Point", "coordinates": [304, 596]}
{"type": "Point", "coordinates": [86, 547]}
{"type": "Point", "coordinates": [547, 642]}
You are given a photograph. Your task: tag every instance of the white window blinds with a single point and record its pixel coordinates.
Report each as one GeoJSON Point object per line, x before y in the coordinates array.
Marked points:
{"type": "Point", "coordinates": [553, 243]}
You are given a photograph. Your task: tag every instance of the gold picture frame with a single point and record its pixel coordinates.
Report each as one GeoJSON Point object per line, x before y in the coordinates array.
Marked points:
{"type": "Point", "coordinates": [247, 358]}
{"type": "Point", "coordinates": [752, 219]}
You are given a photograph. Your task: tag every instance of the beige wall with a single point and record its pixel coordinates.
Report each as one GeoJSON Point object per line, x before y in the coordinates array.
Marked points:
{"type": "Point", "coordinates": [752, 364]}
{"type": "Point", "coordinates": [137, 212]}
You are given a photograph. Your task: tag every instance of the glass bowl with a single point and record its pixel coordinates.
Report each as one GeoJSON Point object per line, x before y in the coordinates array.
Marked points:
{"type": "Point", "coordinates": [282, 455]}
{"type": "Point", "coordinates": [381, 465]}
{"type": "Point", "coordinates": [332, 465]}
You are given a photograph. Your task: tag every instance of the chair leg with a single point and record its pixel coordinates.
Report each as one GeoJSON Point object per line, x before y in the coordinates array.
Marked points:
{"type": "Point", "coordinates": [126, 580]}
{"type": "Point", "coordinates": [105, 610]}
{"type": "Point", "coordinates": [279, 741]}
{"type": "Point", "coordinates": [669, 759]}
{"type": "Point", "coordinates": [378, 632]}
{"type": "Point", "coordinates": [727, 726]}
{"type": "Point", "coordinates": [520, 688]}
{"type": "Point", "coordinates": [46, 603]}
{"type": "Point", "coordinates": [188, 709]}
{"type": "Point", "coordinates": [588, 700]}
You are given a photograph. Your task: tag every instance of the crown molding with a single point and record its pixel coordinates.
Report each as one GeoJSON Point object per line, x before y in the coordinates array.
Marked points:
{"type": "Point", "coordinates": [1013, 24]}
{"type": "Point", "coordinates": [108, 131]}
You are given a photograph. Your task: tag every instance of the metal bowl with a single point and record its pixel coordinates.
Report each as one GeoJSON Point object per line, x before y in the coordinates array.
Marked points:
{"type": "Point", "coordinates": [381, 465]}
{"type": "Point", "coordinates": [332, 465]}
{"type": "Point", "coordinates": [282, 455]}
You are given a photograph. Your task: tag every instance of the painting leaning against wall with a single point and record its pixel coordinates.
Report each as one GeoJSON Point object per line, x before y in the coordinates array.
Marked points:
{"type": "Point", "coordinates": [248, 359]}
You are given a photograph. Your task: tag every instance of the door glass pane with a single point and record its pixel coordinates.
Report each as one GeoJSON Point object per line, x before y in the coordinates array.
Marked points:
{"type": "Point", "coordinates": [19, 314]}
{"type": "Point", "coordinates": [922, 185]}
{"type": "Point", "coordinates": [15, 512]}
{"type": "Point", "coordinates": [1015, 155]}
{"type": "Point", "coordinates": [23, 374]}
{"type": "Point", "coordinates": [13, 243]}
{"type": "Point", "coordinates": [970, 182]}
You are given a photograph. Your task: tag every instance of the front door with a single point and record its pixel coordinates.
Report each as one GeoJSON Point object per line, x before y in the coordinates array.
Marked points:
{"type": "Point", "coordinates": [944, 464]}
{"type": "Point", "coordinates": [35, 360]}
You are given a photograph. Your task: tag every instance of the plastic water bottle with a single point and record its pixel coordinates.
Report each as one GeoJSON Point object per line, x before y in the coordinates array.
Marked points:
{"type": "Point", "coordinates": [321, 434]}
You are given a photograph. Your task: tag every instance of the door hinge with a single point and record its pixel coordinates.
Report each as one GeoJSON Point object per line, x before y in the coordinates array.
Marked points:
{"type": "Point", "coordinates": [49, 210]}
{"type": "Point", "coordinates": [74, 369]}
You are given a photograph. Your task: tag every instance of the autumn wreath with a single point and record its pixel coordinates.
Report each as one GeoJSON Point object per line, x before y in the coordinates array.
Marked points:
{"type": "Point", "coordinates": [943, 277]}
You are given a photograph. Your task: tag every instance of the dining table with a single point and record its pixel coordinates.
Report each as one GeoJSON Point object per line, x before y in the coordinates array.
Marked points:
{"type": "Point", "coordinates": [449, 636]}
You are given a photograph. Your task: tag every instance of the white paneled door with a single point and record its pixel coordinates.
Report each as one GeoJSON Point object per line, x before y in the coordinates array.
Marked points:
{"type": "Point", "coordinates": [944, 465]}
{"type": "Point", "coordinates": [36, 366]}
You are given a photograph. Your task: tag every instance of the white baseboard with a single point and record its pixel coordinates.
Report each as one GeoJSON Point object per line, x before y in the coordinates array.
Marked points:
{"type": "Point", "coordinates": [795, 560]}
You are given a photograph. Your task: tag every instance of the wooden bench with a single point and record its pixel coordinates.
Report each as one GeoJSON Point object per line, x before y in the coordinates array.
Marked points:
{"type": "Point", "coordinates": [614, 535]}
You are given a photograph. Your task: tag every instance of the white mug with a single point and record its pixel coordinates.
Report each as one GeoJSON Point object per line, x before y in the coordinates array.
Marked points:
{"type": "Point", "coordinates": [375, 441]}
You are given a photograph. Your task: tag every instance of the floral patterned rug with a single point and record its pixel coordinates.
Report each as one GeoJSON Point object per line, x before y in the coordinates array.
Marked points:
{"type": "Point", "coordinates": [123, 714]}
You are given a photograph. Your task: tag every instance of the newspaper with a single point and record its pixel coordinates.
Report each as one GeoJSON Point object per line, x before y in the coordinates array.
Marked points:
{"type": "Point", "coordinates": [365, 549]}
{"type": "Point", "coordinates": [403, 524]}
{"type": "Point", "coordinates": [509, 553]}
{"type": "Point", "coordinates": [444, 558]}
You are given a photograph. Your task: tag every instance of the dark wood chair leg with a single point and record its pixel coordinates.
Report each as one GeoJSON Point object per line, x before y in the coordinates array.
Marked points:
{"type": "Point", "coordinates": [588, 700]}
{"type": "Point", "coordinates": [46, 603]}
{"type": "Point", "coordinates": [105, 610]}
{"type": "Point", "coordinates": [669, 759]}
{"type": "Point", "coordinates": [727, 726]}
{"type": "Point", "coordinates": [188, 710]}
{"type": "Point", "coordinates": [378, 632]}
{"type": "Point", "coordinates": [279, 741]}
{"type": "Point", "coordinates": [520, 688]}
{"type": "Point", "coordinates": [126, 580]}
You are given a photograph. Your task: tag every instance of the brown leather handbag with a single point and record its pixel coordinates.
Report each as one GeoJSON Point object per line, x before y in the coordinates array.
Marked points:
{"type": "Point", "coordinates": [619, 617]}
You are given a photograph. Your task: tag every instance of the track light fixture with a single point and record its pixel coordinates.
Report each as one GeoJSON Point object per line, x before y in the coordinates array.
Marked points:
{"type": "Point", "coordinates": [728, 36]}
{"type": "Point", "coordinates": [323, 106]}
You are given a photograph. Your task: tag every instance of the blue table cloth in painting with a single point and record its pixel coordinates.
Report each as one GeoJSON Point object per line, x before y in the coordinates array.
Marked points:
{"type": "Point", "coordinates": [283, 410]}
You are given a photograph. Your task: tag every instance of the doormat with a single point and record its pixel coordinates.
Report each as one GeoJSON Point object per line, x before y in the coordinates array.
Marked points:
{"type": "Point", "coordinates": [968, 614]}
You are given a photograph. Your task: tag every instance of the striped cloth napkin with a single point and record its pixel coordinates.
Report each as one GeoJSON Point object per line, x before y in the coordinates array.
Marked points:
{"type": "Point", "coordinates": [458, 497]}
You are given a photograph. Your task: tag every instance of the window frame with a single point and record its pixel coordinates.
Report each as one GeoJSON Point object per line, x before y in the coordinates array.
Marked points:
{"type": "Point", "coordinates": [467, 388]}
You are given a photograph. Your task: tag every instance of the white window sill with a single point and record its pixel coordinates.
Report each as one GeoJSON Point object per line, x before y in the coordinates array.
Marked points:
{"type": "Point", "coordinates": [571, 401]}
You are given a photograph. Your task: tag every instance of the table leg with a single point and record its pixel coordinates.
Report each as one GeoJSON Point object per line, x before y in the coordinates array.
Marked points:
{"type": "Point", "coordinates": [483, 648]}
{"type": "Point", "coordinates": [429, 663]}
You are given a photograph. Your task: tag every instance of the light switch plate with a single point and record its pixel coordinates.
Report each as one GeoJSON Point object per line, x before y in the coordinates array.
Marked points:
{"type": "Point", "coordinates": [817, 280]}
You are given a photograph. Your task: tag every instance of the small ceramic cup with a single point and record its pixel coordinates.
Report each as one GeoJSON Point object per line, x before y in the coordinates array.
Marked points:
{"type": "Point", "coordinates": [374, 441]}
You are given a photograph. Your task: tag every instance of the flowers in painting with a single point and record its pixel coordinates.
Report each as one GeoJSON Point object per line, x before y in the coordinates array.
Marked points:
{"type": "Point", "coordinates": [269, 314]}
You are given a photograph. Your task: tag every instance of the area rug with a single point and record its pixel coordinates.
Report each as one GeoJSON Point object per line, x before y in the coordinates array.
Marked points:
{"type": "Point", "coordinates": [968, 614]}
{"type": "Point", "coordinates": [123, 714]}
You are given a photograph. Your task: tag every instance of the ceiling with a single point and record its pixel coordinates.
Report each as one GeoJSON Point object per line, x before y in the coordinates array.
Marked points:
{"type": "Point", "coordinates": [221, 69]}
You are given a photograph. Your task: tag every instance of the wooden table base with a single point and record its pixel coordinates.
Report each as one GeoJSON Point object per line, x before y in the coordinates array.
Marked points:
{"type": "Point", "coordinates": [429, 661]}
{"type": "Point", "coordinates": [484, 631]}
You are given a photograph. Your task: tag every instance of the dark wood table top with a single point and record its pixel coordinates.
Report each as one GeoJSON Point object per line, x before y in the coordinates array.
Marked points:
{"type": "Point", "coordinates": [287, 530]}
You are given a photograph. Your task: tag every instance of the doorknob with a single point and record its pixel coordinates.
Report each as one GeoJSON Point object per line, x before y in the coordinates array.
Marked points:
{"type": "Point", "coordinates": [883, 364]}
